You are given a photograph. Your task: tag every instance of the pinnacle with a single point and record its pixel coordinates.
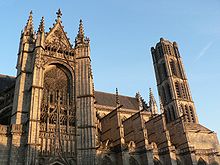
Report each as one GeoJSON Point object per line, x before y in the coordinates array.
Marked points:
{"type": "Point", "coordinates": [117, 98]}
{"type": "Point", "coordinates": [152, 103]}
{"type": "Point", "coordinates": [80, 39]}
{"type": "Point", "coordinates": [81, 29]}
{"type": "Point", "coordinates": [140, 101]}
{"type": "Point", "coordinates": [29, 28]}
{"type": "Point", "coordinates": [41, 26]}
{"type": "Point", "coordinates": [151, 96]}
{"type": "Point", "coordinates": [138, 94]}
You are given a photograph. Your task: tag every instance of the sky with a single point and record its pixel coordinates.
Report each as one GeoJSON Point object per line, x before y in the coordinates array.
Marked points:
{"type": "Point", "coordinates": [121, 34]}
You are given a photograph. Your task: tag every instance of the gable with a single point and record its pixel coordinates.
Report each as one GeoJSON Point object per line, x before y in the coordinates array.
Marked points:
{"type": "Point", "coordinates": [57, 38]}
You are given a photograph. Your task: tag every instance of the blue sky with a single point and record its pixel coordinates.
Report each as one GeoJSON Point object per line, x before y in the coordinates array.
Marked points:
{"type": "Point", "coordinates": [122, 33]}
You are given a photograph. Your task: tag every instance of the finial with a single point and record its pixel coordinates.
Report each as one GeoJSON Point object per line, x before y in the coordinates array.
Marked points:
{"type": "Point", "coordinates": [117, 98]}
{"type": "Point", "coordinates": [41, 26]}
{"type": "Point", "coordinates": [30, 19]}
{"type": "Point", "coordinates": [59, 14]}
{"type": "Point", "coordinates": [161, 39]}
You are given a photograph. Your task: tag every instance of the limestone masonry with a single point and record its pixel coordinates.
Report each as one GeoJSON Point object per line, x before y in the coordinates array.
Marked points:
{"type": "Point", "coordinates": [50, 113]}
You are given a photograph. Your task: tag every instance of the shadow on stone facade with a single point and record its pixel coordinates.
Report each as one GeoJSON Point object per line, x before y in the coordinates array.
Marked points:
{"type": "Point", "coordinates": [4, 154]}
{"type": "Point", "coordinates": [12, 155]}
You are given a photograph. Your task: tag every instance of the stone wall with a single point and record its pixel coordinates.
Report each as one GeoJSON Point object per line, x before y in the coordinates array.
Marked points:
{"type": "Point", "coordinates": [4, 145]}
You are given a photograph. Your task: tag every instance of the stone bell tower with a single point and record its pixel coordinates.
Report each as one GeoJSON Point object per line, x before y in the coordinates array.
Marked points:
{"type": "Point", "coordinates": [172, 83]}
{"type": "Point", "coordinates": [189, 139]}
{"type": "Point", "coordinates": [53, 117]}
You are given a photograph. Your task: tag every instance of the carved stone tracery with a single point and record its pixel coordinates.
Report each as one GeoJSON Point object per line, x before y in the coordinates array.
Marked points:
{"type": "Point", "coordinates": [57, 126]}
{"type": "Point", "coordinates": [57, 39]}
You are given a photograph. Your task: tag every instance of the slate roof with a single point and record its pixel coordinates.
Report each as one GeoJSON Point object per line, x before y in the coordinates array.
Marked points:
{"type": "Point", "coordinates": [109, 99]}
{"type": "Point", "coordinates": [6, 81]}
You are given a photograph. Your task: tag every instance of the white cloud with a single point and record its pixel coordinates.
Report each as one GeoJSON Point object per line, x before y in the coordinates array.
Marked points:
{"type": "Point", "coordinates": [204, 50]}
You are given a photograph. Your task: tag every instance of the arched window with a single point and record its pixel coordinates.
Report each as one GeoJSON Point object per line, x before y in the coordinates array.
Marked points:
{"type": "Point", "coordinates": [183, 112]}
{"type": "Point", "coordinates": [170, 115]}
{"type": "Point", "coordinates": [57, 115]}
{"type": "Point", "coordinates": [167, 115]}
{"type": "Point", "coordinates": [177, 89]}
{"type": "Point", "coordinates": [160, 51]}
{"type": "Point", "coordinates": [192, 114]}
{"type": "Point", "coordinates": [173, 113]}
{"type": "Point", "coordinates": [168, 90]}
{"type": "Point", "coordinates": [183, 91]}
{"type": "Point", "coordinates": [170, 118]}
{"type": "Point", "coordinates": [187, 113]}
{"type": "Point", "coordinates": [176, 51]}
{"type": "Point", "coordinates": [168, 49]}
{"type": "Point", "coordinates": [51, 97]}
{"type": "Point", "coordinates": [163, 71]}
{"type": "Point", "coordinates": [164, 95]}
{"type": "Point", "coordinates": [156, 55]}
{"type": "Point", "coordinates": [173, 68]}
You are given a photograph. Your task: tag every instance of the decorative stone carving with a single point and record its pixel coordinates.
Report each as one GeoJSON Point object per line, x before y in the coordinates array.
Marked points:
{"type": "Point", "coordinates": [16, 129]}
{"type": "Point", "coordinates": [40, 62]}
{"type": "Point", "coordinates": [57, 39]}
{"type": "Point", "coordinates": [131, 146]}
{"type": "Point", "coordinates": [57, 120]}
{"type": "Point", "coordinates": [3, 129]}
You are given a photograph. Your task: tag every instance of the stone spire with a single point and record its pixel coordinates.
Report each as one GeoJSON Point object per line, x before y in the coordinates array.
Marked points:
{"type": "Point", "coordinates": [80, 38]}
{"type": "Point", "coordinates": [29, 28]}
{"type": "Point", "coordinates": [117, 98]}
{"type": "Point", "coordinates": [40, 33]}
{"type": "Point", "coordinates": [41, 26]}
{"type": "Point", "coordinates": [152, 103]}
{"type": "Point", "coordinates": [139, 99]}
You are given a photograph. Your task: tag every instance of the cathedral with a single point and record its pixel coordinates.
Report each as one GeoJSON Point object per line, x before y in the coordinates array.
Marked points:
{"type": "Point", "coordinates": [50, 113]}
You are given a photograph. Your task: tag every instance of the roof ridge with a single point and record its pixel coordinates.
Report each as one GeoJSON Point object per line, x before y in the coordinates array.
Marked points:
{"type": "Point", "coordinates": [115, 94]}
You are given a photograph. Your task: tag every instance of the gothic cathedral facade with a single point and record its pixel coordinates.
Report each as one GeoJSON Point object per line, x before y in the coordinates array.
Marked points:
{"type": "Point", "coordinates": [50, 113]}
